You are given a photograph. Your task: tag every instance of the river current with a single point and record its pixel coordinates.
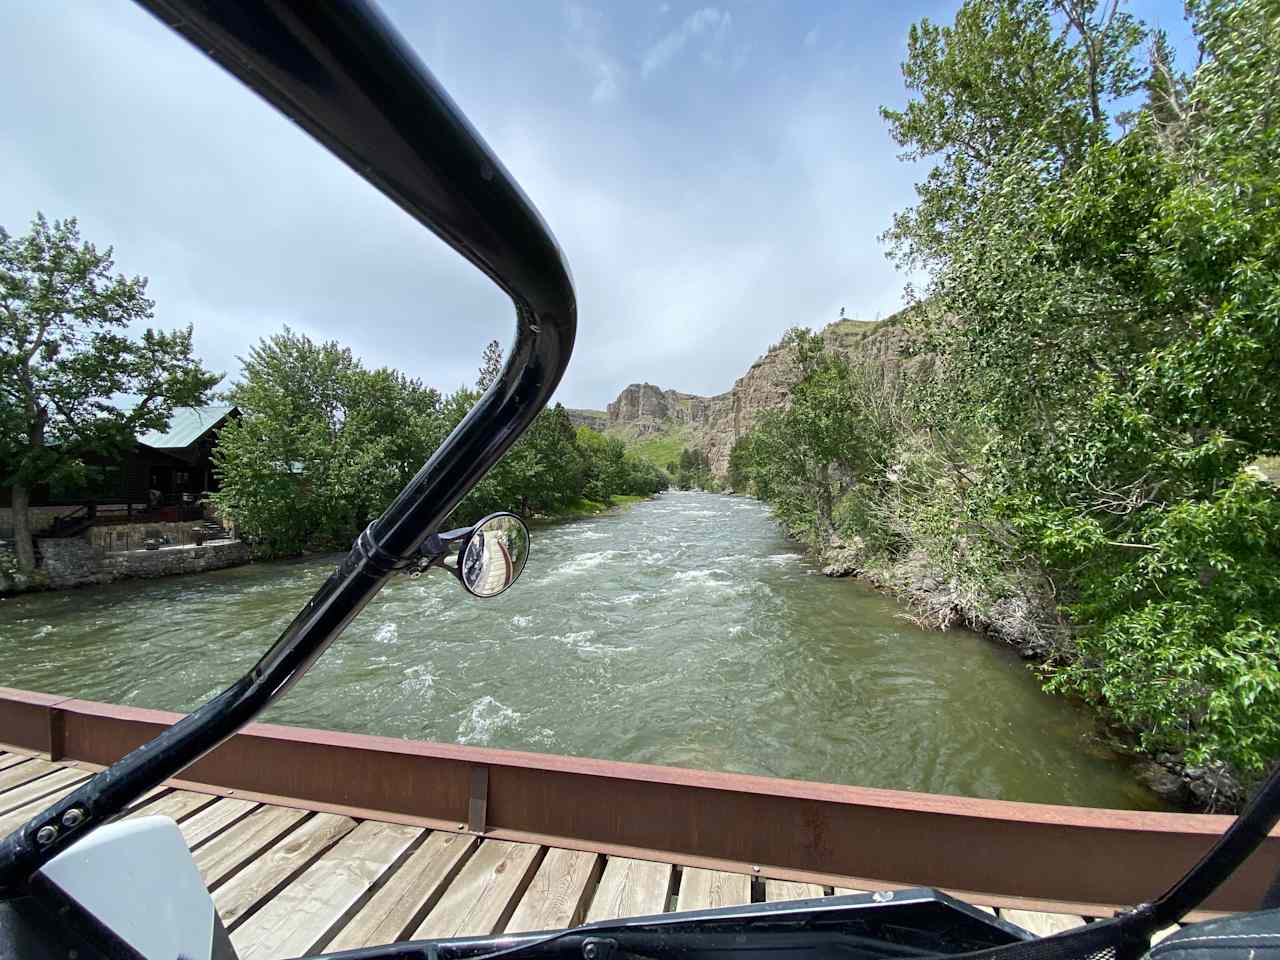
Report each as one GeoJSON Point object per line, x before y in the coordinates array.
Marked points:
{"type": "Point", "coordinates": [685, 630]}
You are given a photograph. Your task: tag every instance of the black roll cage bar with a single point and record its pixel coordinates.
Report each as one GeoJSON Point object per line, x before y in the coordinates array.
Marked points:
{"type": "Point", "coordinates": [347, 77]}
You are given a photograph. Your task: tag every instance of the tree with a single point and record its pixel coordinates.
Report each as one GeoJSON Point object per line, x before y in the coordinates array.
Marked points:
{"type": "Point", "coordinates": [322, 444]}
{"type": "Point", "coordinates": [740, 456]}
{"type": "Point", "coordinates": [1002, 79]}
{"type": "Point", "coordinates": [1104, 313]}
{"type": "Point", "coordinates": [73, 379]}
{"type": "Point", "coordinates": [694, 470]}
{"type": "Point", "coordinates": [490, 365]}
{"type": "Point", "coordinates": [606, 464]}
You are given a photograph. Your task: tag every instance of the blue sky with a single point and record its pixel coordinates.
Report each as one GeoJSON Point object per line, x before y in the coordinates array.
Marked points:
{"type": "Point", "coordinates": [714, 173]}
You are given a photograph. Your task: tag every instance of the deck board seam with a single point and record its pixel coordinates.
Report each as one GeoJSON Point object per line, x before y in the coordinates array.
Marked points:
{"type": "Point", "coordinates": [249, 861]}
{"type": "Point", "coordinates": [285, 881]}
{"type": "Point", "coordinates": [362, 901]}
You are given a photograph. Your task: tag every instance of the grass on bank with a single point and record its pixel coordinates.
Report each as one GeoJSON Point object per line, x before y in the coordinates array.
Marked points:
{"type": "Point", "coordinates": [583, 508]}
{"type": "Point", "coordinates": [661, 449]}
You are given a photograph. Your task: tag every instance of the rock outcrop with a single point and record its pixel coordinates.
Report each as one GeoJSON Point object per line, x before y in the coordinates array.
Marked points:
{"type": "Point", "coordinates": [597, 420]}
{"type": "Point", "coordinates": [714, 423]}
{"type": "Point", "coordinates": [644, 408]}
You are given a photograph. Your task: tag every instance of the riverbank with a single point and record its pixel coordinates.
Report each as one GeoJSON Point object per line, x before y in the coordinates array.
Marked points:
{"type": "Point", "coordinates": [584, 509]}
{"type": "Point", "coordinates": [937, 603]}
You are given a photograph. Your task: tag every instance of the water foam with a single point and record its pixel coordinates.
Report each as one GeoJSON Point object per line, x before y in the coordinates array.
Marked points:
{"type": "Point", "coordinates": [386, 633]}
{"type": "Point", "coordinates": [420, 681]}
{"type": "Point", "coordinates": [580, 642]}
{"type": "Point", "coordinates": [587, 561]}
{"type": "Point", "coordinates": [487, 716]}
{"type": "Point", "coordinates": [700, 576]}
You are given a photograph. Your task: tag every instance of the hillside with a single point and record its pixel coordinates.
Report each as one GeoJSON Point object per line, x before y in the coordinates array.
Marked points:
{"type": "Point", "coordinates": [658, 423]}
{"type": "Point", "coordinates": [595, 419]}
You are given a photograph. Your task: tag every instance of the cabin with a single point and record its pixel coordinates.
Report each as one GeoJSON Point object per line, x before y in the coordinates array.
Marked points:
{"type": "Point", "coordinates": [179, 459]}
{"type": "Point", "coordinates": [165, 476]}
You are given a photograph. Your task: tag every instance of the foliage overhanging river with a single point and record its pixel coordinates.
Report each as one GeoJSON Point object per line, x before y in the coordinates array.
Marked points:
{"type": "Point", "coordinates": [684, 631]}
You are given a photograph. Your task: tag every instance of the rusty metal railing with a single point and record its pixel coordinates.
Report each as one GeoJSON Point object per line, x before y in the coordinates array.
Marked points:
{"type": "Point", "coordinates": [1039, 856]}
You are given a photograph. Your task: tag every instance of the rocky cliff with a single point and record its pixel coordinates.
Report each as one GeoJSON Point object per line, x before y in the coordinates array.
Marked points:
{"type": "Point", "coordinates": [714, 423]}
{"type": "Point", "coordinates": [642, 409]}
{"type": "Point", "coordinates": [597, 420]}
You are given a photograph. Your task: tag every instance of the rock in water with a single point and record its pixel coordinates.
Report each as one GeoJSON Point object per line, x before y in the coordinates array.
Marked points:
{"type": "Point", "coordinates": [1163, 782]}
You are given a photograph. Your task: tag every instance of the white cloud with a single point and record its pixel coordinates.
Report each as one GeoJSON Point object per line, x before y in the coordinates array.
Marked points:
{"type": "Point", "coordinates": [697, 228]}
{"type": "Point", "coordinates": [811, 38]}
{"type": "Point", "coordinates": [585, 45]}
{"type": "Point", "coordinates": [711, 21]}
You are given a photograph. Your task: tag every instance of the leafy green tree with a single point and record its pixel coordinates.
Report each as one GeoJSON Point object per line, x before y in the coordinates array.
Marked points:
{"type": "Point", "coordinates": [542, 473]}
{"type": "Point", "coordinates": [322, 444]}
{"type": "Point", "coordinates": [74, 381]}
{"type": "Point", "coordinates": [1003, 79]}
{"type": "Point", "coordinates": [490, 365]}
{"type": "Point", "coordinates": [606, 464]}
{"type": "Point", "coordinates": [806, 457]}
{"type": "Point", "coordinates": [740, 456]}
{"type": "Point", "coordinates": [1106, 325]}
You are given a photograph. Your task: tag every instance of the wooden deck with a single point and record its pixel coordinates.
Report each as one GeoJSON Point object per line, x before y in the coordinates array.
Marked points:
{"type": "Point", "coordinates": [289, 881]}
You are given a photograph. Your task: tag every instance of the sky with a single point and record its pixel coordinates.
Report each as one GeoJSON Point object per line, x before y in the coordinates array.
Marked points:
{"type": "Point", "coordinates": [714, 174]}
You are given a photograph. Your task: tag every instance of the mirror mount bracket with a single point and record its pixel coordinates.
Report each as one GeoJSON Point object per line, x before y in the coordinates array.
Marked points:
{"type": "Point", "coordinates": [381, 560]}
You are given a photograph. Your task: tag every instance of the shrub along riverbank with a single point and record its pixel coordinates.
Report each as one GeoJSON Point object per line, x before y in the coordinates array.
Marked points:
{"type": "Point", "coordinates": [1071, 465]}
{"type": "Point", "coordinates": [323, 445]}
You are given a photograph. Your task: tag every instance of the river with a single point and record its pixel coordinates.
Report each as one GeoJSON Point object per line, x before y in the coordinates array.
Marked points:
{"type": "Point", "coordinates": [685, 630]}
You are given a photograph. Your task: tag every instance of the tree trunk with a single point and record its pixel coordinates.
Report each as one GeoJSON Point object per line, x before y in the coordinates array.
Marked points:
{"type": "Point", "coordinates": [22, 528]}
{"type": "Point", "coordinates": [824, 506]}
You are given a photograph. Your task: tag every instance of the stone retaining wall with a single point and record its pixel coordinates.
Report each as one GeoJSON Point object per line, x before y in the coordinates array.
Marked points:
{"type": "Point", "coordinates": [73, 562]}
{"type": "Point", "coordinates": [41, 518]}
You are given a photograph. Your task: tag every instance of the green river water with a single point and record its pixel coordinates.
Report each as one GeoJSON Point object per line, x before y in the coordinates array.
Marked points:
{"type": "Point", "coordinates": [685, 630]}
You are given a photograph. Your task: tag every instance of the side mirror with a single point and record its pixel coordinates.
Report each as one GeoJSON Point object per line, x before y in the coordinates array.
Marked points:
{"type": "Point", "coordinates": [492, 555]}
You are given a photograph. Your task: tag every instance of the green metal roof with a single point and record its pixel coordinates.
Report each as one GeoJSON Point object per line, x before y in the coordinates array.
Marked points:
{"type": "Point", "coordinates": [185, 427]}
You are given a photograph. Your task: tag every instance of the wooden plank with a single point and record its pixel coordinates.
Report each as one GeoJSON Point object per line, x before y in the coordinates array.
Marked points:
{"type": "Point", "coordinates": [16, 818]}
{"type": "Point", "coordinates": [144, 799]}
{"type": "Point", "coordinates": [405, 898]}
{"type": "Point", "coordinates": [558, 896]}
{"type": "Point", "coordinates": [484, 893]}
{"type": "Point", "coordinates": [710, 889]}
{"type": "Point", "coordinates": [229, 851]}
{"type": "Point", "coordinates": [844, 891]}
{"type": "Point", "coordinates": [272, 869]}
{"type": "Point", "coordinates": [1042, 924]}
{"type": "Point", "coordinates": [176, 805]}
{"type": "Point", "coordinates": [21, 796]}
{"type": "Point", "coordinates": [209, 821]}
{"type": "Point", "coordinates": [305, 913]}
{"type": "Point", "coordinates": [8, 760]}
{"type": "Point", "coordinates": [26, 772]}
{"type": "Point", "coordinates": [790, 890]}
{"type": "Point", "coordinates": [630, 888]}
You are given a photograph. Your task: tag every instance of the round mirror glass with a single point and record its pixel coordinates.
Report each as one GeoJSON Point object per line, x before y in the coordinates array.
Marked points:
{"type": "Point", "coordinates": [494, 554]}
